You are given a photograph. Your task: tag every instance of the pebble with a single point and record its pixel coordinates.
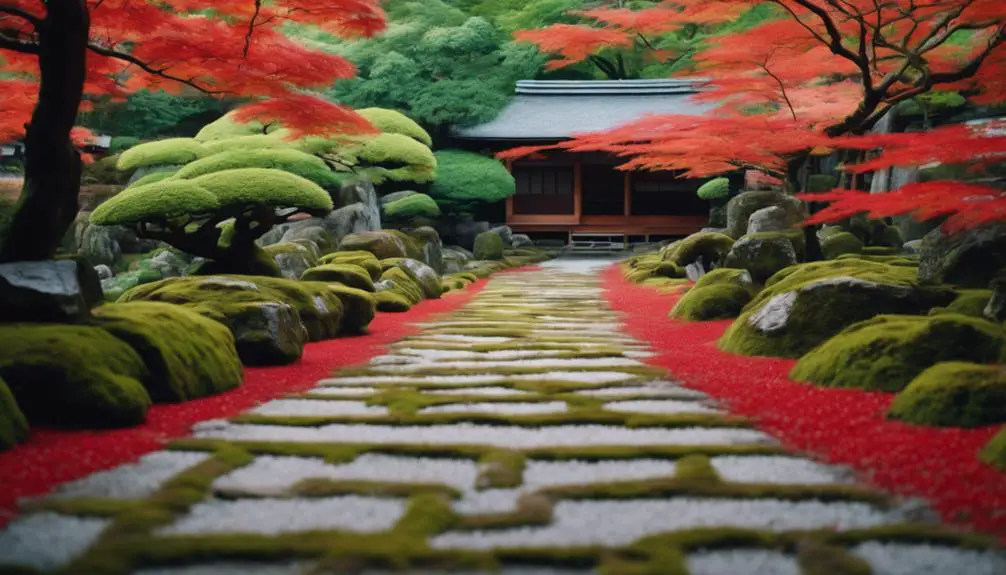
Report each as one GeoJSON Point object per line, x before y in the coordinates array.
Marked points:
{"type": "Point", "coordinates": [663, 406]}
{"type": "Point", "coordinates": [132, 480]}
{"type": "Point", "coordinates": [540, 473]}
{"type": "Point", "coordinates": [48, 541]}
{"type": "Point", "coordinates": [920, 559]}
{"type": "Point", "coordinates": [317, 407]}
{"type": "Point", "coordinates": [501, 408]}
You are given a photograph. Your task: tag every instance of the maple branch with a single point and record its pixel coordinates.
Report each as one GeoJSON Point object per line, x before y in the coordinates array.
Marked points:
{"type": "Point", "coordinates": [117, 55]}
{"type": "Point", "coordinates": [35, 21]}
{"type": "Point", "coordinates": [8, 43]}
{"type": "Point", "coordinates": [251, 27]}
{"type": "Point", "coordinates": [778, 80]}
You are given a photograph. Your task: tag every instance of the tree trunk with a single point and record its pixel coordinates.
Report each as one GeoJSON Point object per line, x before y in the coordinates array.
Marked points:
{"type": "Point", "coordinates": [48, 203]}
{"type": "Point", "coordinates": [797, 172]}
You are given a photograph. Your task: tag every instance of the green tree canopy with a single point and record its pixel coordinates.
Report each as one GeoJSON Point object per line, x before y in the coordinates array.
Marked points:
{"type": "Point", "coordinates": [465, 178]}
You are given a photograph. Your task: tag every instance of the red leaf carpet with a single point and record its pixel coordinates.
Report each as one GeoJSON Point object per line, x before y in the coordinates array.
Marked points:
{"type": "Point", "coordinates": [843, 426]}
{"type": "Point", "coordinates": [54, 456]}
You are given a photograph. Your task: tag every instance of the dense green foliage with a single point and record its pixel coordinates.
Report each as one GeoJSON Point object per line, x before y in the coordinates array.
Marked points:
{"type": "Point", "coordinates": [147, 115]}
{"type": "Point", "coordinates": [170, 152]}
{"type": "Point", "coordinates": [412, 206]}
{"type": "Point", "coordinates": [289, 160]}
{"type": "Point", "coordinates": [395, 122]}
{"type": "Point", "coordinates": [714, 189]}
{"type": "Point", "coordinates": [464, 178]}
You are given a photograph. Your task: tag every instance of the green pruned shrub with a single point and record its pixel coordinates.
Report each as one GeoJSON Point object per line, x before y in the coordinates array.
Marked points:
{"type": "Point", "coordinates": [188, 355]}
{"type": "Point", "coordinates": [247, 143]}
{"type": "Point", "coordinates": [381, 158]}
{"type": "Point", "coordinates": [103, 172]}
{"type": "Point", "coordinates": [712, 302]}
{"type": "Point", "coordinates": [954, 394]}
{"type": "Point", "coordinates": [488, 246]}
{"type": "Point", "coordinates": [415, 205]}
{"type": "Point", "coordinates": [359, 308]}
{"type": "Point", "coordinates": [994, 452]}
{"type": "Point", "coordinates": [170, 152]}
{"type": "Point", "coordinates": [466, 178]}
{"type": "Point", "coordinates": [265, 187]}
{"type": "Point", "coordinates": [395, 122]}
{"type": "Point", "coordinates": [839, 244]}
{"type": "Point", "coordinates": [710, 246]}
{"type": "Point", "coordinates": [886, 352]}
{"type": "Point", "coordinates": [225, 127]}
{"type": "Point", "coordinates": [348, 274]}
{"type": "Point", "coordinates": [714, 189]}
{"type": "Point", "coordinates": [293, 161]}
{"type": "Point", "coordinates": [153, 177]}
{"type": "Point", "coordinates": [73, 375]}
{"type": "Point", "coordinates": [13, 423]}
{"type": "Point", "coordinates": [392, 302]}
{"type": "Point", "coordinates": [166, 199]}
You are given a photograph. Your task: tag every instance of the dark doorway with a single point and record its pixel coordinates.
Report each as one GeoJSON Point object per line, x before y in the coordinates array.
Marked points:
{"type": "Point", "coordinates": [603, 191]}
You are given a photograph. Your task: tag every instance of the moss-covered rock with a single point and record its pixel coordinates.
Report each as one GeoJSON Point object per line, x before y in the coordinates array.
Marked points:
{"type": "Point", "coordinates": [188, 355]}
{"type": "Point", "coordinates": [347, 274]}
{"type": "Point", "coordinates": [427, 278]}
{"type": "Point", "coordinates": [365, 260]}
{"type": "Point", "coordinates": [969, 259]}
{"type": "Point", "coordinates": [994, 452]}
{"type": "Point", "coordinates": [840, 243]}
{"type": "Point", "coordinates": [668, 270]}
{"type": "Point", "coordinates": [726, 276]}
{"type": "Point", "coordinates": [712, 302]}
{"type": "Point", "coordinates": [887, 236]}
{"type": "Point", "coordinates": [804, 305]}
{"type": "Point", "coordinates": [404, 283]}
{"type": "Point", "coordinates": [762, 254]}
{"type": "Point", "coordinates": [886, 352]}
{"type": "Point", "coordinates": [954, 394]}
{"type": "Point", "coordinates": [73, 375]}
{"type": "Point", "coordinates": [711, 247]}
{"type": "Point", "coordinates": [265, 332]}
{"type": "Point", "coordinates": [13, 423]}
{"type": "Point", "coordinates": [392, 302]}
{"type": "Point", "coordinates": [488, 246]}
{"type": "Point", "coordinates": [292, 259]}
{"type": "Point", "coordinates": [382, 243]}
{"type": "Point", "coordinates": [359, 307]}
{"type": "Point", "coordinates": [57, 291]}
{"type": "Point", "coordinates": [879, 251]}
{"type": "Point", "coordinates": [741, 206]}
{"type": "Point", "coordinates": [969, 302]}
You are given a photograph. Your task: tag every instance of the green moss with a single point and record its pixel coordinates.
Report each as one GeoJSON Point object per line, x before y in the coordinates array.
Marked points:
{"type": "Point", "coordinates": [153, 177]}
{"type": "Point", "coordinates": [839, 244]}
{"type": "Point", "coordinates": [725, 276]}
{"type": "Point", "coordinates": [170, 152]}
{"type": "Point", "coordinates": [880, 251]}
{"type": "Point", "coordinates": [365, 260]}
{"type": "Point", "coordinates": [887, 352]}
{"type": "Point", "coordinates": [669, 270]}
{"type": "Point", "coordinates": [187, 355]}
{"type": "Point", "coordinates": [13, 423]}
{"type": "Point", "coordinates": [954, 394]}
{"type": "Point", "coordinates": [710, 246]}
{"type": "Point", "coordinates": [226, 127]}
{"type": "Point", "coordinates": [265, 187]}
{"type": "Point", "coordinates": [395, 122]}
{"type": "Point", "coordinates": [817, 558]}
{"type": "Point", "coordinates": [971, 302]}
{"type": "Point", "coordinates": [531, 509]}
{"type": "Point", "coordinates": [696, 468]}
{"type": "Point", "coordinates": [381, 158]}
{"type": "Point", "coordinates": [887, 236]}
{"type": "Point", "coordinates": [501, 470]}
{"type": "Point", "coordinates": [405, 284]}
{"type": "Point", "coordinates": [714, 189]}
{"type": "Point", "coordinates": [293, 161]}
{"type": "Point", "coordinates": [69, 375]}
{"type": "Point", "coordinates": [161, 200]}
{"type": "Point", "coordinates": [382, 244]}
{"type": "Point", "coordinates": [488, 246]}
{"type": "Point", "coordinates": [392, 302]}
{"type": "Point", "coordinates": [994, 452]}
{"type": "Point", "coordinates": [360, 308]}
{"type": "Point", "coordinates": [324, 487]}
{"type": "Point", "coordinates": [246, 143]}
{"type": "Point", "coordinates": [416, 205]}
{"type": "Point", "coordinates": [712, 302]}
{"type": "Point", "coordinates": [351, 275]}
{"type": "Point", "coordinates": [762, 254]}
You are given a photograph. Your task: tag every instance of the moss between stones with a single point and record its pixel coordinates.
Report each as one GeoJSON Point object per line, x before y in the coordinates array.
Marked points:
{"type": "Point", "coordinates": [351, 275]}
{"type": "Point", "coordinates": [710, 246]}
{"type": "Point", "coordinates": [887, 352]}
{"type": "Point", "coordinates": [994, 453]}
{"type": "Point", "coordinates": [13, 423]}
{"type": "Point", "coordinates": [725, 276]}
{"type": "Point", "coordinates": [711, 303]}
{"type": "Point", "coordinates": [359, 307]}
{"type": "Point", "coordinates": [501, 470]}
{"type": "Point", "coordinates": [488, 246]}
{"type": "Point", "coordinates": [970, 302]}
{"type": "Point", "coordinates": [366, 260]}
{"type": "Point", "coordinates": [72, 375]}
{"type": "Point", "coordinates": [954, 394]}
{"type": "Point", "coordinates": [392, 302]}
{"type": "Point", "coordinates": [816, 558]}
{"type": "Point", "coordinates": [188, 356]}
{"type": "Point", "coordinates": [839, 244]}
{"type": "Point", "coordinates": [404, 284]}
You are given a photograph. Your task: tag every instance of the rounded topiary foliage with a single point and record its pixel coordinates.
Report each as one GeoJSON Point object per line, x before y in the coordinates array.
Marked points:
{"type": "Point", "coordinates": [254, 142]}
{"type": "Point", "coordinates": [265, 187]}
{"type": "Point", "coordinates": [412, 206]}
{"type": "Point", "coordinates": [885, 353]}
{"type": "Point", "coordinates": [226, 127]}
{"type": "Point", "coordinates": [726, 276]}
{"type": "Point", "coordinates": [465, 178]}
{"type": "Point", "coordinates": [488, 246]}
{"type": "Point", "coordinates": [714, 189]}
{"type": "Point", "coordinates": [170, 152]}
{"type": "Point", "coordinates": [293, 161]}
{"type": "Point", "coordinates": [73, 375]}
{"type": "Point", "coordinates": [163, 200]}
{"type": "Point", "coordinates": [721, 301]}
{"type": "Point", "coordinates": [379, 159]}
{"type": "Point", "coordinates": [395, 122]}
{"type": "Point", "coordinates": [366, 260]}
{"type": "Point", "coordinates": [954, 394]}
{"type": "Point", "coordinates": [188, 355]}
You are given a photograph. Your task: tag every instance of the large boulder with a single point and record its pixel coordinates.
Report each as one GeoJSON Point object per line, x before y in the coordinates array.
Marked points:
{"type": "Point", "coordinates": [431, 247]}
{"type": "Point", "coordinates": [265, 333]}
{"type": "Point", "coordinates": [383, 244]}
{"type": "Point", "coordinates": [840, 243]}
{"type": "Point", "coordinates": [467, 229]}
{"type": "Point", "coordinates": [488, 246]}
{"type": "Point", "coordinates": [360, 308]}
{"type": "Point", "coordinates": [886, 352]}
{"type": "Point", "coordinates": [712, 302]}
{"type": "Point", "coordinates": [48, 291]}
{"type": "Point", "coordinates": [954, 394]}
{"type": "Point", "coordinates": [347, 274]}
{"type": "Point", "coordinates": [365, 260]}
{"type": "Point", "coordinates": [762, 254]}
{"type": "Point", "coordinates": [805, 305]}
{"type": "Point", "coordinates": [708, 248]}
{"type": "Point", "coordinates": [970, 258]}
{"type": "Point", "coordinates": [742, 206]}
{"type": "Point", "coordinates": [427, 278]}
{"type": "Point", "coordinates": [770, 219]}
{"type": "Point", "coordinates": [521, 241]}
{"type": "Point", "coordinates": [293, 259]}
{"type": "Point", "coordinates": [505, 234]}
{"type": "Point", "coordinates": [402, 281]}
{"type": "Point", "coordinates": [311, 229]}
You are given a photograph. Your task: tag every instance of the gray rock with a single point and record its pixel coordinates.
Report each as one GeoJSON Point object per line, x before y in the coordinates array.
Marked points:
{"type": "Point", "coordinates": [995, 310]}
{"type": "Point", "coordinates": [695, 270]}
{"type": "Point", "coordinates": [713, 230]}
{"type": "Point", "coordinates": [505, 233]}
{"type": "Point", "coordinates": [521, 241]}
{"type": "Point", "coordinates": [384, 285]}
{"type": "Point", "coordinates": [314, 252]}
{"type": "Point", "coordinates": [467, 230]}
{"type": "Point", "coordinates": [273, 236]}
{"type": "Point", "coordinates": [770, 219]}
{"type": "Point", "coordinates": [970, 258]}
{"type": "Point", "coordinates": [104, 272]}
{"type": "Point", "coordinates": [169, 263]}
{"type": "Point", "coordinates": [314, 230]}
{"type": "Point", "coordinates": [267, 333]}
{"type": "Point", "coordinates": [357, 192]}
{"type": "Point", "coordinates": [383, 244]}
{"type": "Point", "coordinates": [761, 256]}
{"type": "Point", "coordinates": [293, 265]}
{"type": "Point", "coordinates": [741, 206]}
{"type": "Point", "coordinates": [395, 196]}
{"type": "Point", "coordinates": [99, 246]}
{"type": "Point", "coordinates": [426, 276]}
{"type": "Point", "coordinates": [913, 246]}
{"type": "Point", "coordinates": [46, 291]}
{"type": "Point", "coordinates": [431, 246]}
{"type": "Point", "coordinates": [352, 219]}
{"type": "Point", "coordinates": [460, 252]}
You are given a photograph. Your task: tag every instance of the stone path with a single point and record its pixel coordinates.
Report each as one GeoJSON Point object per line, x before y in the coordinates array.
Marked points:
{"type": "Point", "coordinates": [524, 432]}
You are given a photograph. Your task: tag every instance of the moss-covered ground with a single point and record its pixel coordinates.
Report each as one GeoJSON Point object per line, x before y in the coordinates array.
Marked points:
{"type": "Point", "coordinates": [524, 430]}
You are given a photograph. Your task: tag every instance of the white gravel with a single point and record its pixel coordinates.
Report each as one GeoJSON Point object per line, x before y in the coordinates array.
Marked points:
{"type": "Point", "coordinates": [555, 325]}
{"type": "Point", "coordinates": [274, 474]}
{"type": "Point", "coordinates": [539, 474]}
{"type": "Point", "coordinates": [742, 562]}
{"type": "Point", "coordinates": [488, 501]}
{"type": "Point", "coordinates": [576, 376]}
{"type": "Point", "coordinates": [47, 541]}
{"type": "Point", "coordinates": [132, 480]}
{"type": "Point", "coordinates": [577, 522]}
{"type": "Point", "coordinates": [434, 355]}
{"type": "Point", "coordinates": [919, 559]}
{"type": "Point", "coordinates": [661, 406]}
{"type": "Point", "coordinates": [275, 516]}
{"type": "Point", "coordinates": [502, 408]}
{"type": "Point", "coordinates": [486, 391]}
{"type": "Point", "coordinates": [592, 362]}
{"type": "Point", "coordinates": [777, 469]}
{"type": "Point", "coordinates": [319, 407]}
{"type": "Point", "coordinates": [655, 389]}
{"type": "Point", "coordinates": [461, 338]}
{"type": "Point", "coordinates": [344, 391]}
{"type": "Point", "coordinates": [411, 380]}
{"type": "Point", "coordinates": [232, 568]}
{"type": "Point", "coordinates": [495, 435]}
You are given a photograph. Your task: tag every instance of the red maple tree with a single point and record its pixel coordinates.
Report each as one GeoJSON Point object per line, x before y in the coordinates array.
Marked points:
{"type": "Point", "coordinates": [57, 56]}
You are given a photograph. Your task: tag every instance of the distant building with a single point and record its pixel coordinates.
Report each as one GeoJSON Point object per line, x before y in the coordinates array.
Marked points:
{"type": "Point", "coordinates": [578, 194]}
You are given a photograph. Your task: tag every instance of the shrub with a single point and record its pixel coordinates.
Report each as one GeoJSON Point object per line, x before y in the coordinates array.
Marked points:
{"type": "Point", "coordinates": [288, 160]}
{"type": "Point", "coordinates": [488, 246]}
{"type": "Point", "coordinates": [714, 189]}
{"type": "Point", "coordinates": [170, 152]}
{"type": "Point", "coordinates": [225, 127]}
{"type": "Point", "coordinates": [954, 394]}
{"type": "Point", "coordinates": [395, 122]}
{"type": "Point", "coordinates": [381, 158]}
{"type": "Point", "coordinates": [415, 205]}
{"type": "Point", "coordinates": [840, 244]}
{"type": "Point", "coordinates": [465, 179]}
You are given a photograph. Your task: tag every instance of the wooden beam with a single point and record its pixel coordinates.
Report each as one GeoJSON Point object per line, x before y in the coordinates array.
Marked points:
{"type": "Point", "coordinates": [628, 193]}
{"type": "Point", "coordinates": [577, 189]}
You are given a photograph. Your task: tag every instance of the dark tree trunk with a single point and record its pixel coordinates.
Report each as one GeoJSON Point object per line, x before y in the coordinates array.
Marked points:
{"type": "Point", "coordinates": [797, 173]}
{"type": "Point", "coordinates": [48, 203]}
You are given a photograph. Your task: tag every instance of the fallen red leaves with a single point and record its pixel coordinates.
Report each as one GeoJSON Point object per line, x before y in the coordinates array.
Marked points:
{"type": "Point", "coordinates": [54, 456]}
{"type": "Point", "coordinates": [842, 426]}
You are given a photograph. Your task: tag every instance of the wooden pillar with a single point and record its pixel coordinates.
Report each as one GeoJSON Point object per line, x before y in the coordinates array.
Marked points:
{"type": "Point", "coordinates": [628, 193]}
{"type": "Point", "coordinates": [577, 190]}
{"type": "Point", "coordinates": [509, 200]}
